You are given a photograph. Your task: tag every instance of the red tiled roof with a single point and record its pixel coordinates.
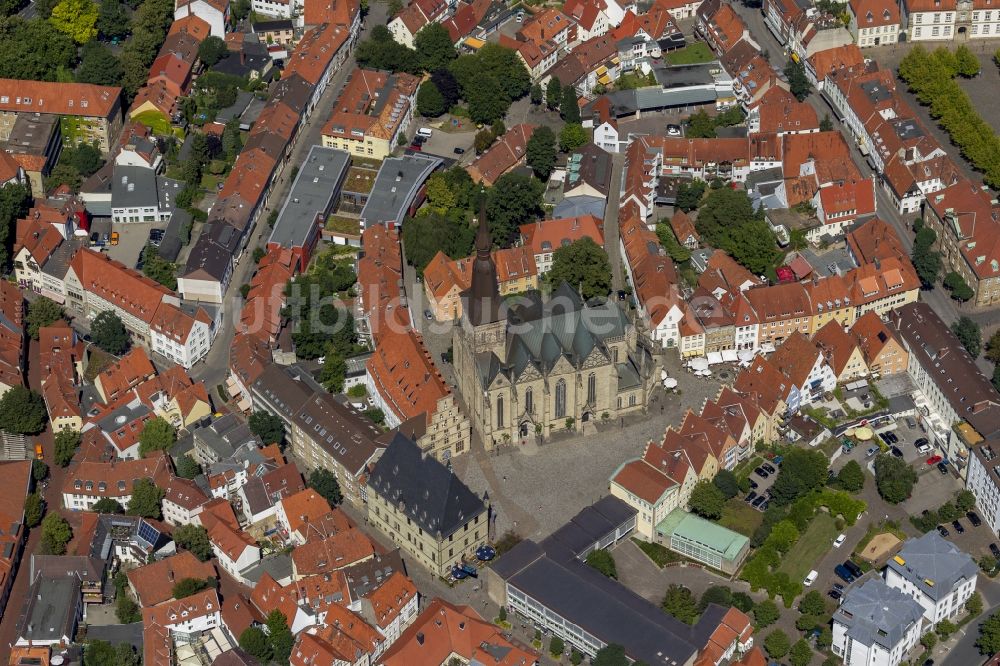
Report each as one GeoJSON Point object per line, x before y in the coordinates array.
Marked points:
{"type": "Point", "coordinates": [154, 583]}
{"type": "Point", "coordinates": [125, 374]}
{"type": "Point", "coordinates": [549, 235]}
{"type": "Point", "coordinates": [67, 99]}
{"type": "Point", "coordinates": [503, 156]}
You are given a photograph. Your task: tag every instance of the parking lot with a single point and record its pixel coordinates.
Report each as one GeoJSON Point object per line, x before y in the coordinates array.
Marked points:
{"type": "Point", "coordinates": [443, 143]}
{"type": "Point", "coordinates": [132, 238]}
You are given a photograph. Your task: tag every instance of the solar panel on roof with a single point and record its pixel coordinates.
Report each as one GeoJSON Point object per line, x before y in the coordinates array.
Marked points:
{"type": "Point", "coordinates": [148, 533]}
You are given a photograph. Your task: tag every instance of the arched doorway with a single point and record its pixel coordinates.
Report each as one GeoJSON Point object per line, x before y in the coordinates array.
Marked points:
{"type": "Point", "coordinates": [587, 416]}
{"type": "Point", "coordinates": [524, 429]}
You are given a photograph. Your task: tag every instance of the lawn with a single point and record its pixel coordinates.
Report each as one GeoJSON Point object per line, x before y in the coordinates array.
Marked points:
{"type": "Point", "coordinates": [660, 555]}
{"type": "Point", "coordinates": [741, 517]}
{"type": "Point", "coordinates": [692, 54]}
{"type": "Point", "coordinates": [811, 546]}
{"type": "Point", "coordinates": [155, 121]}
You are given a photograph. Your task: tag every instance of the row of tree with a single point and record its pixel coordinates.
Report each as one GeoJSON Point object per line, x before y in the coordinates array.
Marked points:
{"type": "Point", "coordinates": [931, 77]}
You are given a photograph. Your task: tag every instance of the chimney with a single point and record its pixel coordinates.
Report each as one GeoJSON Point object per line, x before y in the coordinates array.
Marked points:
{"type": "Point", "coordinates": [420, 637]}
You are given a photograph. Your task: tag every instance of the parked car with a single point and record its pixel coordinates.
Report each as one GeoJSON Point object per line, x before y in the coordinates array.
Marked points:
{"type": "Point", "coordinates": [757, 502]}
{"type": "Point", "coordinates": [942, 467]}
{"type": "Point", "coordinates": [974, 518]}
{"type": "Point", "coordinates": [995, 550]}
{"type": "Point", "coordinates": [673, 130]}
{"type": "Point", "coordinates": [943, 531]}
{"type": "Point", "coordinates": [751, 496]}
{"type": "Point", "coordinates": [910, 422]}
{"type": "Point", "coordinates": [934, 460]}
{"type": "Point", "coordinates": [769, 467]}
{"type": "Point", "coordinates": [834, 594]}
{"type": "Point", "coordinates": [896, 452]}
{"type": "Point", "coordinates": [761, 472]}
{"type": "Point", "coordinates": [459, 151]}
{"type": "Point", "coordinates": [95, 238]}
{"type": "Point", "coordinates": [839, 541]}
{"type": "Point", "coordinates": [811, 578]}
{"type": "Point", "coordinates": [753, 484]}
{"type": "Point", "coordinates": [778, 460]}
{"type": "Point", "coordinates": [958, 527]}
{"type": "Point", "coordinates": [884, 437]}
{"type": "Point", "coordinates": [872, 450]}
{"type": "Point", "coordinates": [923, 448]}
{"type": "Point", "coordinates": [843, 574]}
{"type": "Point", "coordinates": [853, 568]}
{"type": "Point", "coordinates": [114, 238]}
{"type": "Point", "coordinates": [838, 587]}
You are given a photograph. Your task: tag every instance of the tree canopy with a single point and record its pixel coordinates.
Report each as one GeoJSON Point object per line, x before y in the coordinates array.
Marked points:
{"type": "Point", "coordinates": [851, 477]}
{"type": "Point", "coordinates": [707, 500]}
{"type": "Point", "coordinates": [15, 199]}
{"type": "Point", "coordinates": [108, 333]}
{"type": "Point", "coordinates": [268, 427]}
{"type": "Point", "coordinates": [325, 483]}
{"type": "Point", "coordinates": [56, 533]}
{"type": "Point", "coordinates": [34, 509]}
{"type": "Point", "coordinates": [430, 101]}
{"type": "Point", "coordinates": [75, 18]}
{"type": "Point", "coordinates": [22, 411]}
{"type": "Point", "coordinates": [435, 47]}
{"type": "Point", "coordinates": [98, 65]}
{"type": "Point", "coordinates": [798, 82]}
{"type": "Point", "coordinates": [187, 467]}
{"type": "Point", "coordinates": [726, 220]}
{"type": "Point", "coordinates": [969, 334]}
{"type": "Point", "coordinates": [801, 472]}
{"type": "Point", "coordinates": [112, 20]}
{"type": "Point", "coordinates": [540, 153]}
{"type": "Point", "coordinates": [680, 603]}
{"type": "Point", "coordinates": [42, 312]}
{"type": "Point", "coordinates": [514, 199]}
{"type": "Point", "coordinates": [157, 435]}
{"type": "Point", "coordinates": [583, 265]}
{"type": "Point", "coordinates": [959, 288]}
{"type": "Point", "coordinates": [21, 57]}
{"type": "Point", "coordinates": [894, 478]}
{"type": "Point", "coordinates": [211, 50]}
{"type": "Point", "coordinates": [194, 538]}
{"type": "Point", "coordinates": [572, 136]}
{"type": "Point", "coordinates": [66, 444]}
{"type": "Point", "coordinates": [145, 500]}
{"type": "Point", "coordinates": [185, 587]}
{"type": "Point", "coordinates": [425, 235]}
{"type": "Point", "coordinates": [381, 51]}
{"type": "Point", "coordinates": [107, 505]}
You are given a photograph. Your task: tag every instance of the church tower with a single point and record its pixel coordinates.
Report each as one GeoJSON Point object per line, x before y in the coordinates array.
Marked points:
{"type": "Point", "coordinates": [482, 324]}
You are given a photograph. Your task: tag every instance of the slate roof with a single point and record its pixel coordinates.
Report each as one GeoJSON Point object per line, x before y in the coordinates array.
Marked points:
{"type": "Point", "coordinates": [429, 493]}
{"type": "Point", "coordinates": [931, 558]}
{"type": "Point", "coordinates": [874, 613]}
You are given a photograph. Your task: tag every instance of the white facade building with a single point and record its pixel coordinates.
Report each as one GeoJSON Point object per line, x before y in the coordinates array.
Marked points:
{"type": "Point", "coordinates": [876, 625]}
{"type": "Point", "coordinates": [935, 574]}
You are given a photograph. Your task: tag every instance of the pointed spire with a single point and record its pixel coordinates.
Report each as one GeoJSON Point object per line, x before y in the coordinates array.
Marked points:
{"type": "Point", "coordinates": [483, 304]}
{"type": "Point", "coordinates": [484, 241]}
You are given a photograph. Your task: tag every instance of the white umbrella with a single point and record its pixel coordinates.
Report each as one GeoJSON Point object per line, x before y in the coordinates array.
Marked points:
{"type": "Point", "coordinates": [700, 363]}
{"type": "Point", "coordinates": [745, 355]}
{"type": "Point", "coordinates": [707, 373]}
{"type": "Point", "coordinates": [669, 383]}
{"type": "Point", "coordinates": [663, 374]}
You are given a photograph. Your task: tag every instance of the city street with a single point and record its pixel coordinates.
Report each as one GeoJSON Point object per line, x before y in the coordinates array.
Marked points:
{"type": "Point", "coordinates": [213, 369]}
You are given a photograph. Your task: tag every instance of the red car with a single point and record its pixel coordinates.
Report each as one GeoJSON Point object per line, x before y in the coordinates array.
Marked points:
{"type": "Point", "coordinates": [934, 460]}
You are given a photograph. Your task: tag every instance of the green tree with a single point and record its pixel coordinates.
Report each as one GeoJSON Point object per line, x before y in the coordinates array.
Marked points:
{"type": "Point", "coordinates": [540, 152]}
{"type": "Point", "coordinates": [894, 478]}
{"type": "Point", "coordinates": [700, 126]}
{"type": "Point", "coordinates": [485, 99]}
{"type": "Point", "coordinates": [56, 533]}
{"type": "Point", "coordinates": [66, 443]}
{"type": "Point", "coordinates": [194, 538]}
{"type": "Point", "coordinates": [75, 18]}
{"type": "Point", "coordinates": [556, 647]}
{"type": "Point", "coordinates": [798, 82]}
{"type": "Point", "coordinates": [435, 48]}
{"type": "Point", "coordinates": [569, 108]}
{"type": "Point", "coordinates": [514, 199]}
{"type": "Point", "coordinates": [777, 644]}
{"type": "Point", "coordinates": [537, 94]}
{"type": "Point", "coordinates": [157, 268]}
{"type": "Point", "coordinates": [966, 61]}
{"type": "Point", "coordinates": [34, 509]}
{"type": "Point", "coordinates": [670, 244]}
{"type": "Point", "coordinates": [448, 86]}
{"type": "Point", "coordinates": [108, 332]}
{"type": "Point", "coordinates": [826, 125]}
{"type": "Point", "coordinates": [801, 654]}
{"type": "Point", "coordinates": [707, 500]}
{"type": "Point", "coordinates": [232, 141]}
{"type": "Point", "coordinates": [14, 203]}
{"type": "Point", "coordinates": [726, 482]}
{"type": "Point", "coordinates": [945, 628]}
{"type": "Point", "coordinates": [255, 642]}
{"type": "Point", "coordinates": [42, 312]}
{"type": "Point", "coordinates": [553, 93]}
{"type": "Point", "coordinates": [812, 603]}
{"type": "Point", "coordinates": [602, 560]}
{"type": "Point", "coordinates": [989, 635]}
{"type": "Point", "coordinates": [974, 604]}
{"type": "Point", "coordinates": [425, 235]}
{"type": "Point", "coordinates": [126, 610]}
{"type": "Point", "coordinates": [802, 471]}
{"type": "Point", "coordinates": [765, 614]}
{"type": "Point", "coordinates": [211, 50]}
{"type": "Point", "coordinates": [572, 136]}
{"type": "Point", "coordinates": [929, 640]}
{"type": "Point", "coordinates": [22, 411]}
{"type": "Point", "coordinates": [145, 500]}
{"type": "Point", "coordinates": [583, 265]}
{"type": "Point", "coordinates": [483, 140]}
{"type": "Point", "coordinates": [268, 427]}
{"type": "Point", "coordinates": [280, 636]}
{"type": "Point", "coordinates": [107, 505]}
{"type": "Point", "coordinates": [430, 102]}
{"type": "Point", "coordinates": [98, 65]}
{"type": "Point", "coordinates": [611, 654]}
{"type": "Point", "coordinates": [947, 512]}
{"type": "Point", "coordinates": [185, 587]}
{"type": "Point", "coordinates": [717, 594]}
{"type": "Point", "coordinates": [112, 20]}
{"type": "Point", "coordinates": [993, 348]}
{"type": "Point", "coordinates": [851, 477]}
{"type": "Point", "coordinates": [157, 435]}
{"type": "Point", "coordinates": [689, 194]}
{"type": "Point", "coordinates": [680, 603]}
{"type": "Point", "coordinates": [965, 500]}
{"type": "Point", "coordinates": [960, 290]}
{"type": "Point", "coordinates": [325, 483]}
{"type": "Point", "coordinates": [20, 55]}
{"type": "Point", "coordinates": [926, 261]}
{"type": "Point", "coordinates": [743, 601]}
{"type": "Point", "coordinates": [187, 467]}
{"type": "Point", "coordinates": [969, 334]}
{"type": "Point", "coordinates": [39, 470]}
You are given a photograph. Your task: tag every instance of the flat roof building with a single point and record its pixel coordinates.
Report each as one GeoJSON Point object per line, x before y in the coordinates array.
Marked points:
{"type": "Point", "coordinates": [313, 196]}
{"type": "Point", "coordinates": [51, 612]}
{"type": "Point", "coordinates": [704, 541]}
{"type": "Point", "coordinates": [398, 189]}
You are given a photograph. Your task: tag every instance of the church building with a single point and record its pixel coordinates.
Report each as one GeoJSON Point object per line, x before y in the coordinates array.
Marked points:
{"type": "Point", "coordinates": [543, 366]}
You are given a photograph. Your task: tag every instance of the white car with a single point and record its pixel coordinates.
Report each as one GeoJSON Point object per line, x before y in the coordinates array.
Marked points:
{"type": "Point", "coordinates": [811, 578]}
{"type": "Point", "coordinates": [924, 449]}
{"type": "Point", "coordinates": [839, 541]}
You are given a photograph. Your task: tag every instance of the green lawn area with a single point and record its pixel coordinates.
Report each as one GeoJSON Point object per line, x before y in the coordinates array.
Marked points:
{"type": "Point", "coordinates": [155, 121]}
{"type": "Point", "coordinates": [659, 554]}
{"type": "Point", "coordinates": [807, 551]}
{"type": "Point", "coordinates": [344, 224]}
{"type": "Point", "coordinates": [741, 517]}
{"type": "Point", "coordinates": [691, 54]}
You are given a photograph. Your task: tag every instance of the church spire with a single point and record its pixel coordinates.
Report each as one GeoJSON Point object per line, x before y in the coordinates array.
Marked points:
{"type": "Point", "coordinates": [483, 303]}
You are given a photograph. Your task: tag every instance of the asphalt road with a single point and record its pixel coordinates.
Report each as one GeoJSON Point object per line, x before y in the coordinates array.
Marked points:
{"type": "Point", "coordinates": [213, 369]}
{"type": "Point", "coordinates": [960, 649]}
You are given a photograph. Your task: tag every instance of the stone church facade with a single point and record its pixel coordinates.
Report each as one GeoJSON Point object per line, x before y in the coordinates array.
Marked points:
{"type": "Point", "coordinates": [543, 367]}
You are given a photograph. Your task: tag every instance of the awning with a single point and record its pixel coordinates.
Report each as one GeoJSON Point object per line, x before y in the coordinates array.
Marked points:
{"type": "Point", "coordinates": [604, 80]}
{"type": "Point", "coordinates": [601, 71]}
{"type": "Point", "coordinates": [698, 364]}
{"type": "Point", "coordinates": [730, 356]}
{"type": "Point", "coordinates": [714, 358]}
{"type": "Point", "coordinates": [746, 355]}
{"type": "Point", "coordinates": [767, 348]}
